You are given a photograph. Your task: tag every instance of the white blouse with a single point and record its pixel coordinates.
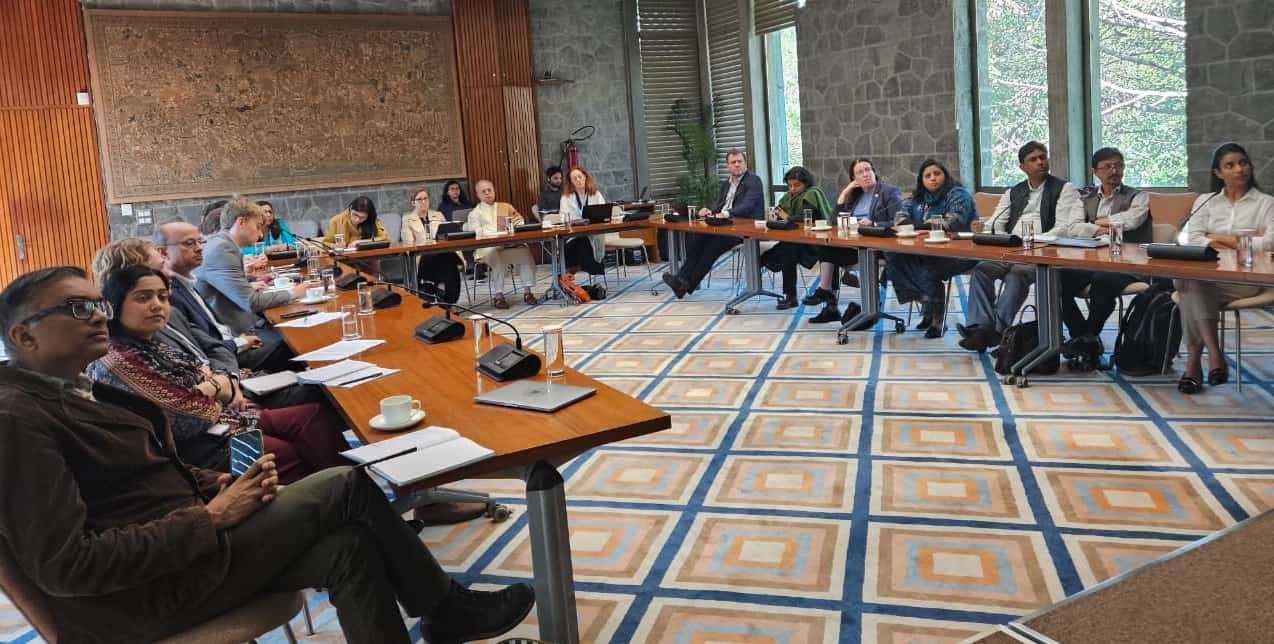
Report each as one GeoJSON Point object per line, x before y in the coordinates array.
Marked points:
{"type": "Point", "coordinates": [1214, 214]}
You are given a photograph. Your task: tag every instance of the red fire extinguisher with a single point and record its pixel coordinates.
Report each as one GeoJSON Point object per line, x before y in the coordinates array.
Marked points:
{"type": "Point", "coordinates": [570, 151]}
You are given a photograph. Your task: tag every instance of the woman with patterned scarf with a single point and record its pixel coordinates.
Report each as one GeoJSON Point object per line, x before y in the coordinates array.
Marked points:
{"type": "Point", "coordinates": [303, 438]}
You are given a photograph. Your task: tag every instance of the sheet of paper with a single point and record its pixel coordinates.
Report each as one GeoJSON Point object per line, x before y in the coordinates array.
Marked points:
{"type": "Point", "coordinates": [438, 459]}
{"type": "Point", "coordinates": [333, 371]}
{"type": "Point", "coordinates": [421, 438]}
{"type": "Point", "coordinates": [339, 350]}
{"type": "Point", "coordinates": [312, 320]}
{"type": "Point", "coordinates": [361, 377]}
{"type": "Point", "coordinates": [269, 383]}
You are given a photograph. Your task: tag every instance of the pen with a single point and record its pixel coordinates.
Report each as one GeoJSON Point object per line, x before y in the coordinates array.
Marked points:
{"type": "Point", "coordinates": [385, 458]}
{"type": "Point", "coordinates": [358, 380]}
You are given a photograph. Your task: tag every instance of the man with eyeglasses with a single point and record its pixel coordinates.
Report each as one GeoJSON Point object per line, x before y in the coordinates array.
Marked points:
{"type": "Point", "coordinates": [1109, 203]}
{"type": "Point", "coordinates": [122, 541]}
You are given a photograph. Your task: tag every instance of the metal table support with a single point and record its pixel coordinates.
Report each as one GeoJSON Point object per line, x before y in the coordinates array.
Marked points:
{"type": "Point", "coordinates": [551, 555]}
{"type": "Point", "coordinates": [869, 290]}
{"type": "Point", "coordinates": [1048, 310]}
{"type": "Point", "coordinates": [752, 268]}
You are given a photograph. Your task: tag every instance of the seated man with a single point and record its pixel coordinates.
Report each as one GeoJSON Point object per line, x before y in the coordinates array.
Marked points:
{"type": "Point", "coordinates": [127, 543]}
{"type": "Point", "coordinates": [1110, 202]}
{"type": "Point", "coordinates": [1051, 206]}
{"type": "Point", "coordinates": [486, 219]}
{"type": "Point", "coordinates": [551, 195]}
{"type": "Point", "coordinates": [741, 196]}
{"type": "Point", "coordinates": [223, 282]}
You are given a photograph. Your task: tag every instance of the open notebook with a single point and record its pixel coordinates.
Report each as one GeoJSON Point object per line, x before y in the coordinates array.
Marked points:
{"type": "Point", "coordinates": [438, 450]}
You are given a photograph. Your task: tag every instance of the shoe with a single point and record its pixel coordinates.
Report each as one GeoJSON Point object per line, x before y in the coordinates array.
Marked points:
{"type": "Point", "coordinates": [445, 514]}
{"type": "Point", "coordinates": [819, 296]}
{"type": "Point", "coordinates": [980, 340]}
{"type": "Point", "coordinates": [937, 315]}
{"type": "Point", "coordinates": [675, 284]}
{"type": "Point", "coordinates": [466, 615]}
{"type": "Point", "coordinates": [933, 332]}
{"type": "Point", "coordinates": [1219, 376]}
{"type": "Point", "coordinates": [787, 302]}
{"type": "Point", "coordinates": [965, 331]}
{"type": "Point", "coordinates": [849, 279]}
{"type": "Point", "coordinates": [529, 298]}
{"type": "Point", "coordinates": [499, 302]}
{"type": "Point", "coordinates": [851, 311]}
{"type": "Point", "coordinates": [1189, 385]}
{"type": "Point", "coordinates": [830, 313]}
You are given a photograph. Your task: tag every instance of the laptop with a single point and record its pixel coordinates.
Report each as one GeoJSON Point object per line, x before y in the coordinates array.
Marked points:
{"type": "Point", "coordinates": [598, 213]}
{"type": "Point", "coordinates": [447, 227]}
{"type": "Point", "coordinates": [535, 395]}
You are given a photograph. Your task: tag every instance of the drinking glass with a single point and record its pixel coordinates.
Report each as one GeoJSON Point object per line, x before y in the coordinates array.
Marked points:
{"type": "Point", "coordinates": [554, 353]}
{"type": "Point", "coordinates": [1243, 254]}
{"type": "Point", "coordinates": [259, 249]}
{"type": "Point", "coordinates": [329, 281]}
{"type": "Point", "coordinates": [1116, 239]}
{"type": "Point", "coordinates": [429, 231]}
{"type": "Point", "coordinates": [1028, 235]}
{"type": "Point", "coordinates": [808, 215]}
{"type": "Point", "coordinates": [365, 306]}
{"type": "Point", "coordinates": [349, 322]}
{"type": "Point", "coordinates": [313, 269]}
{"type": "Point", "coordinates": [338, 240]}
{"type": "Point", "coordinates": [853, 225]}
{"type": "Point", "coordinates": [481, 334]}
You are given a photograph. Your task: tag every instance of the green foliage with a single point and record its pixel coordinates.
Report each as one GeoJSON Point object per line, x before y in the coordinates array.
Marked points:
{"type": "Point", "coordinates": [694, 126]}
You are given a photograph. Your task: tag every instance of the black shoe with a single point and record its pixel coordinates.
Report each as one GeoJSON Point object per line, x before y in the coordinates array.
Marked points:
{"type": "Point", "coordinates": [851, 311]}
{"type": "Point", "coordinates": [819, 296]}
{"type": "Point", "coordinates": [926, 314]}
{"type": "Point", "coordinates": [849, 279]}
{"type": "Point", "coordinates": [675, 284]}
{"type": "Point", "coordinates": [830, 313]}
{"type": "Point", "coordinates": [966, 331]}
{"type": "Point", "coordinates": [933, 332]}
{"type": "Point", "coordinates": [465, 615]}
{"type": "Point", "coordinates": [787, 302]}
{"type": "Point", "coordinates": [980, 339]}
{"type": "Point", "coordinates": [937, 319]}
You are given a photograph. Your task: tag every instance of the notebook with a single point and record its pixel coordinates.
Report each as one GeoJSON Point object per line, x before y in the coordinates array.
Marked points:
{"type": "Point", "coordinates": [438, 450]}
{"type": "Point", "coordinates": [269, 383]}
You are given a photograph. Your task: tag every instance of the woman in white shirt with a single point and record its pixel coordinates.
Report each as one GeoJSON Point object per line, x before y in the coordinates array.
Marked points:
{"type": "Point", "coordinates": [486, 219]}
{"type": "Point", "coordinates": [438, 273]}
{"type": "Point", "coordinates": [582, 253]}
{"type": "Point", "coordinates": [1235, 204]}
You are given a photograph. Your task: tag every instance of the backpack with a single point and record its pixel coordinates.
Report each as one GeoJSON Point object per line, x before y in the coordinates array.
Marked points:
{"type": "Point", "coordinates": [1019, 340]}
{"type": "Point", "coordinates": [596, 291]}
{"type": "Point", "coordinates": [1149, 333]}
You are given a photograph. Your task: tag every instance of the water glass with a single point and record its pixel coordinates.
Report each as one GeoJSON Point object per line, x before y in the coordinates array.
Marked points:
{"type": "Point", "coordinates": [808, 215]}
{"type": "Point", "coordinates": [853, 225]}
{"type": "Point", "coordinates": [1028, 235]}
{"type": "Point", "coordinates": [554, 353]}
{"type": "Point", "coordinates": [259, 249]}
{"type": "Point", "coordinates": [365, 306]}
{"type": "Point", "coordinates": [1116, 239]}
{"type": "Point", "coordinates": [338, 240]}
{"type": "Point", "coordinates": [329, 281]}
{"type": "Point", "coordinates": [1243, 254]}
{"type": "Point", "coordinates": [349, 322]}
{"type": "Point", "coordinates": [481, 334]}
{"type": "Point", "coordinates": [313, 267]}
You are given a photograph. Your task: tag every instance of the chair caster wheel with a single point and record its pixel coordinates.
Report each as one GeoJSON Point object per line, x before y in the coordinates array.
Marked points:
{"type": "Point", "coordinates": [1023, 382]}
{"type": "Point", "coordinates": [1009, 380]}
{"type": "Point", "coordinates": [499, 513]}
{"type": "Point", "coordinates": [899, 327]}
{"type": "Point", "coordinates": [842, 338]}
{"type": "Point", "coordinates": [732, 311]}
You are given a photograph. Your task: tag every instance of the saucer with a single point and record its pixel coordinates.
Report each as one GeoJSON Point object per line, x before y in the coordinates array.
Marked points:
{"type": "Point", "coordinates": [937, 241]}
{"type": "Point", "coordinates": [378, 421]}
{"type": "Point", "coordinates": [821, 229]}
{"type": "Point", "coordinates": [325, 298]}
{"type": "Point", "coordinates": [907, 235]}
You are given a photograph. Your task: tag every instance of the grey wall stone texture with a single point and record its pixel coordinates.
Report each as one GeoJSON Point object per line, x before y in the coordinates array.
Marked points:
{"type": "Point", "coordinates": [1229, 84]}
{"type": "Point", "coordinates": [877, 80]}
{"type": "Point", "coordinates": [583, 40]}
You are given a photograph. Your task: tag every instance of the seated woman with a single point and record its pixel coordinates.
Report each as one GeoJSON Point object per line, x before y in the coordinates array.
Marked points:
{"type": "Point", "coordinates": [453, 199]}
{"type": "Point", "coordinates": [874, 203]}
{"type": "Point", "coordinates": [278, 236]}
{"type": "Point", "coordinates": [303, 438]}
{"type": "Point", "coordinates": [801, 195]}
{"type": "Point", "coordinates": [438, 273]}
{"type": "Point", "coordinates": [488, 218]}
{"type": "Point", "coordinates": [1234, 204]}
{"type": "Point", "coordinates": [582, 253]}
{"type": "Point", "coordinates": [358, 221]}
{"type": "Point", "coordinates": [938, 200]}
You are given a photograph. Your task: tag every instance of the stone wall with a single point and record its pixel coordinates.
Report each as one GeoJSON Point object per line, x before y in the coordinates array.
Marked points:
{"type": "Point", "coordinates": [877, 80]}
{"type": "Point", "coordinates": [1229, 83]}
{"type": "Point", "coordinates": [583, 40]}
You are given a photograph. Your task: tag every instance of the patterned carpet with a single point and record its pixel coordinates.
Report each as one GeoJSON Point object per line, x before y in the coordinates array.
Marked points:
{"type": "Point", "coordinates": [890, 490]}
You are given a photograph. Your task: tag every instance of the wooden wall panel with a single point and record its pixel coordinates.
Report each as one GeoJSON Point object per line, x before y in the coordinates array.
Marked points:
{"type": "Point", "coordinates": [477, 42]}
{"type": "Point", "coordinates": [514, 24]}
{"type": "Point", "coordinates": [50, 178]}
{"type": "Point", "coordinates": [524, 154]}
{"type": "Point", "coordinates": [486, 151]}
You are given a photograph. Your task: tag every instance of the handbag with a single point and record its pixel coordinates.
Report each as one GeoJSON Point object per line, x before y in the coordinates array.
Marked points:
{"type": "Point", "coordinates": [1019, 340]}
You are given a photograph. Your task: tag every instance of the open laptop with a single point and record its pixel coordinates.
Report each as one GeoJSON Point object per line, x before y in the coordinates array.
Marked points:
{"type": "Point", "coordinates": [535, 395]}
{"type": "Point", "coordinates": [598, 213]}
{"type": "Point", "coordinates": [447, 227]}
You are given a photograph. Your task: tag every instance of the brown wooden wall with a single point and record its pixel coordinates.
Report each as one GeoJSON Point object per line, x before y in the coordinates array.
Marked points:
{"type": "Point", "coordinates": [497, 98]}
{"type": "Point", "coordinates": [50, 181]}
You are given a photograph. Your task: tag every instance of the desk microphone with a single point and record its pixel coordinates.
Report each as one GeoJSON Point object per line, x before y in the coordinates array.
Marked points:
{"type": "Point", "coordinates": [503, 362]}
{"type": "Point", "coordinates": [1192, 213]}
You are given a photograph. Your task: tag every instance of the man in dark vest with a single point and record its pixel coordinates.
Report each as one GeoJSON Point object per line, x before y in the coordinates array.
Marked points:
{"type": "Point", "coordinates": [1047, 204]}
{"type": "Point", "coordinates": [1107, 204]}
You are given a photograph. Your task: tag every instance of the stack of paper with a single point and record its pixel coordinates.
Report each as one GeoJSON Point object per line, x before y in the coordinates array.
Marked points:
{"type": "Point", "coordinates": [438, 450]}
{"type": "Point", "coordinates": [344, 374]}
{"type": "Point", "coordinates": [312, 320]}
{"type": "Point", "coordinates": [338, 350]}
{"type": "Point", "coordinates": [269, 383]}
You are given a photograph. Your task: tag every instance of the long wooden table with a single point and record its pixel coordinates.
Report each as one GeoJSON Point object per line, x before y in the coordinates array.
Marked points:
{"type": "Point", "coordinates": [528, 445]}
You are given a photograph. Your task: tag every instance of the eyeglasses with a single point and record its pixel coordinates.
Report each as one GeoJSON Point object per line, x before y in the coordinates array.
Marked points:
{"type": "Point", "coordinates": [419, 200]}
{"type": "Point", "coordinates": [1105, 167]}
{"type": "Point", "coordinates": [193, 242]}
{"type": "Point", "coordinates": [79, 308]}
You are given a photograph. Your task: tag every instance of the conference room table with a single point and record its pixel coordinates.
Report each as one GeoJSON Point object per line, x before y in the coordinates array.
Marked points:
{"type": "Point", "coordinates": [528, 445]}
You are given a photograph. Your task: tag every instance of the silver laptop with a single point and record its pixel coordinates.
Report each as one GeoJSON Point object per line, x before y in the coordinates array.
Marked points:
{"type": "Point", "coordinates": [535, 394]}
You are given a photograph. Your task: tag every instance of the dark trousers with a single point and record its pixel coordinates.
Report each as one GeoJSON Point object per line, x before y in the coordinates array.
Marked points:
{"type": "Point", "coordinates": [273, 354]}
{"type": "Point", "coordinates": [783, 258]}
{"type": "Point", "coordinates": [702, 251]}
{"type": "Point", "coordinates": [1104, 290]}
{"type": "Point", "coordinates": [304, 439]}
{"type": "Point", "coordinates": [333, 530]}
{"type": "Point", "coordinates": [441, 272]}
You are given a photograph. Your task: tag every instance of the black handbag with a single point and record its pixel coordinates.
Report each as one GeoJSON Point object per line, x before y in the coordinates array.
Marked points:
{"type": "Point", "coordinates": [1178, 251]}
{"type": "Point", "coordinates": [1019, 340]}
{"type": "Point", "coordinates": [996, 239]}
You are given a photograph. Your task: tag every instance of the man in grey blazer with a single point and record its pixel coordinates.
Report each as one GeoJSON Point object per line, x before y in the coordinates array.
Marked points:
{"type": "Point", "coordinates": [222, 281]}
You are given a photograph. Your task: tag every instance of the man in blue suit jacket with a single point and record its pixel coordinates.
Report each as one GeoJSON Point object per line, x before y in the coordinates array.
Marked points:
{"type": "Point", "coordinates": [742, 195]}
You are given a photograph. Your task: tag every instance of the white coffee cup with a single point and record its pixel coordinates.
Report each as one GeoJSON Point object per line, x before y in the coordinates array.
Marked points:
{"type": "Point", "coordinates": [905, 229]}
{"type": "Point", "coordinates": [398, 409]}
{"type": "Point", "coordinates": [282, 282]}
{"type": "Point", "coordinates": [314, 293]}
{"type": "Point", "coordinates": [759, 223]}
{"type": "Point", "coordinates": [937, 234]}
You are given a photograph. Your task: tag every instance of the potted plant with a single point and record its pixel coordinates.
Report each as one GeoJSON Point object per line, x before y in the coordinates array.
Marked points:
{"type": "Point", "coordinates": [695, 128]}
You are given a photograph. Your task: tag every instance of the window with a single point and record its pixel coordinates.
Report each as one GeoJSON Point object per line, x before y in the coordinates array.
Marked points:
{"type": "Point", "coordinates": [725, 69]}
{"type": "Point", "coordinates": [1139, 91]}
{"type": "Point", "coordinates": [1012, 94]}
{"type": "Point", "coordinates": [668, 45]}
{"type": "Point", "coordinates": [783, 101]}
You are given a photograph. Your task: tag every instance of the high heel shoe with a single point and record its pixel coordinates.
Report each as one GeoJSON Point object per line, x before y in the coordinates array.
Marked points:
{"type": "Point", "coordinates": [1219, 376]}
{"type": "Point", "coordinates": [1189, 385]}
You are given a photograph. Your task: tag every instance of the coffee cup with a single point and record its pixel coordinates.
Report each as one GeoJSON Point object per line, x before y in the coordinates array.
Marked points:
{"type": "Point", "coordinates": [937, 234]}
{"type": "Point", "coordinates": [905, 229]}
{"type": "Point", "coordinates": [282, 282]}
{"type": "Point", "coordinates": [759, 223]}
{"type": "Point", "coordinates": [314, 293]}
{"type": "Point", "coordinates": [398, 409]}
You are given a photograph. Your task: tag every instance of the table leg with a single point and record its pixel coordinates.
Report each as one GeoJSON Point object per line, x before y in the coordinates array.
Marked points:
{"type": "Point", "coordinates": [674, 251]}
{"type": "Point", "coordinates": [557, 262]}
{"type": "Point", "coordinates": [869, 291]}
{"type": "Point", "coordinates": [411, 270]}
{"type": "Point", "coordinates": [551, 555]}
{"type": "Point", "coordinates": [1048, 306]}
{"type": "Point", "coordinates": [752, 267]}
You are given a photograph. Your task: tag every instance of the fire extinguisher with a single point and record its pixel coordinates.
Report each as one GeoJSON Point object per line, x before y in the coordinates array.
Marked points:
{"type": "Point", "coordinates": [570, 149]}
